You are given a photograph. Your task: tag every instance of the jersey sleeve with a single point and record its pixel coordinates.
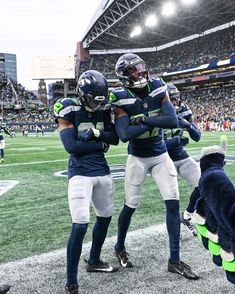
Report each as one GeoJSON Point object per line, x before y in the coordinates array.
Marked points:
{"type": "Point", "coordinates": [65, 108]}
{"type": "Point", "coordinates": [185, 112]}
{"type": "Point", "coordinates": [159, 87]}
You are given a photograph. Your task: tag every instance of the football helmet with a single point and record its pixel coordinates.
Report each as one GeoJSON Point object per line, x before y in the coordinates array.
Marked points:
{"type": "Point", "coordinates": [131, 71]}
{"type": "Point", "coordinates": [92, 89]}
{"type": "Point", "coordinates": [174, 95]}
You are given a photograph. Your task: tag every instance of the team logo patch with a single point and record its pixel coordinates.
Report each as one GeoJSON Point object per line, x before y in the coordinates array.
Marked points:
{"type": "Point", "coordinates": [6, 186]}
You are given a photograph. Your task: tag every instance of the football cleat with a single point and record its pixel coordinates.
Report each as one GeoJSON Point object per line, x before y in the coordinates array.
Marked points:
{"type": "Point", "coordinates": [72, 289]}
{"type": "Point", "coordinates": [189, 224]}
{"type": "Point", "coordinates": [123, 259]}
{"type": "Point", "coordinates": [182, 269]}
{"type": "Point", "coordinates": [4, 289]}
{"type": "Point", "coordinates": [102, 267]}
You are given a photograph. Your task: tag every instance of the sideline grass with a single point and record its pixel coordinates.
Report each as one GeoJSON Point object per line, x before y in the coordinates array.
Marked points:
{"type": "Point", "coordinates": [35, 216]}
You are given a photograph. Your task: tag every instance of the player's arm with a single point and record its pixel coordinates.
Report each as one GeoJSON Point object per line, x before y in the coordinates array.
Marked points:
{"type": "Point", "coordinates": [193, 130]}
{"type": "Point", "coordinates": [109, 135]}
{"type": "Point", "coordinates": [167, 118]}
{"type": "Point", "coordinates": [71, 144]}
{"type": "Point", "coordinates": [176, 141]}
{"type": "Point", "coordinates": [124, 130]}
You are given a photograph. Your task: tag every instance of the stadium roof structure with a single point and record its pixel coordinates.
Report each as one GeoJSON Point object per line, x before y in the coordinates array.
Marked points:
{"type": "Point", "coordinates": [114, 20]}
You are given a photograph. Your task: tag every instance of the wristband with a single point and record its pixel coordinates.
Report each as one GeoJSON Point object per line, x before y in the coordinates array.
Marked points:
{"type": "Point", "coordinates": [96, 132]}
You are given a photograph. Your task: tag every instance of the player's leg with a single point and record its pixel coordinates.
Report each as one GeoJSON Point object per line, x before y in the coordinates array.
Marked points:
{"type": "Point", "coordinates": [190, 171]}
{"type": "Point", "coordinates": [2, 154]}
{"type": "Point", "coordinates": [102, 200]}
{"type": "Point", "coordinates": [79, 193]}
{"type": "Point", "coordinates": [165, 176]}
{"type": "Point", "coordinates": [134, 178]}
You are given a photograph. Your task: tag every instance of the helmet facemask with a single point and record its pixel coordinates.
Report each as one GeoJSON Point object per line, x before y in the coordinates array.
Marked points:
{"type": "Point", "coordinates": [92, 90]}
{"type": "Point", "coordinates": [91, 103]}
{"type": "Point", "coordinates": [131, 71]}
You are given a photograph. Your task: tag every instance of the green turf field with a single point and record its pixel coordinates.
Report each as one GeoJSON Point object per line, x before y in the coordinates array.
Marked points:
{"type": "Point", "coordinates": [34, 214]}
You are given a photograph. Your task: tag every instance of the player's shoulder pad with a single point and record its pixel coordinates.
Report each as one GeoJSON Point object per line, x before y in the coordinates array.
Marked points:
{"type": "Point", "coordinates": [107, 106]}
{"type": "Point", "coordinates": [65, 105]}
{"type": "Point", "coordinates": [158, 85]}
{"type": "Point", "coordinates": [120, 96]}
{"type": "Point", "coordinates": [185, 112]}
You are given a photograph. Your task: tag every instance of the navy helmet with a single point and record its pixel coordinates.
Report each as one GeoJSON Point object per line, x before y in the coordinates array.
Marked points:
{"type": "Point", "coordinates": [174, 95]}
{"type": "Point", "coordinates": [131, 71]}
{"type": "Point", "coordinates": [92, 89]}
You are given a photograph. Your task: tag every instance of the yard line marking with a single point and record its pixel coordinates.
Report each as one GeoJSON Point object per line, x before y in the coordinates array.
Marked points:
{"type": "Point", "coordinates": [50, 161]}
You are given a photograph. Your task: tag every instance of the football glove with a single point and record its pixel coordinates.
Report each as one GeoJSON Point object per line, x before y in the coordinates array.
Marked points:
{"type": "Point", "coordinates": [87, 135]}
{"type": "Point", "coordinates": [105, 147]}
{"type": "Point", "coordinates": [183, 140]}
{"type": "Point", "coordinates": [137, 121]}
{"type": "Point", "coordinates": [183, 123]}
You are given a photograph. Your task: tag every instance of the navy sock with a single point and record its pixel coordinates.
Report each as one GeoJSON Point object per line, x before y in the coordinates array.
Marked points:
{"type": "Point", "coordinates": [193, 200]}
{"type": "Point", "coordinates": [2, 153]}
{"type": "Point", "coordinates": [124, 221]}
{"type": "Point", "coordinates": [74, 249]}
{"type": "Point", "coordinates": [173, 228]}
{"type": "Point", "coordinates": [98, 236]}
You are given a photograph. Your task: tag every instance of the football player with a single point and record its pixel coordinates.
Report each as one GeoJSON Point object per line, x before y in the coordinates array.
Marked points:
{"type": "Point", "coordinates": [185, 165]}
{"type": "Point", "coordinates": [86, 131]}
{"type": "Point", "coordinates": [142, 108]}
{"type": "Point", "coordinates": [2, 146]}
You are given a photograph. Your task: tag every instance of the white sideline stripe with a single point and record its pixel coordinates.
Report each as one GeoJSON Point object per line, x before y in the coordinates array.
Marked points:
{"type": "Point", "coordinates": [7, 185]}
{"type": "Point", "coordinates": [49, 161]}
{"type": "Point", "coordinates": [46, 257]}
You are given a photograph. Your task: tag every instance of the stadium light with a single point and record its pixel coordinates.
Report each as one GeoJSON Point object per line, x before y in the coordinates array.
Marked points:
{"type": "Point", "coordinates": [188, 2]}
{"type": "Point", "coordinates": [168, 9]}
{"type": "Point", "coordinates": [151, 21]}
{"type": "Point", "coordinates": [136, 32]}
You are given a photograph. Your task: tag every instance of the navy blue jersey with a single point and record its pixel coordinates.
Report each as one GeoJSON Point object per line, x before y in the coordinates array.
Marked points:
{"type": "Point", "coordinates": [150, 143]}
{"type": "Point", "coordinates": [1, 137]}
{"type": "Point", "coordinates": [71, 110]}
{"type": "Point", "coordinates": [177, 152]}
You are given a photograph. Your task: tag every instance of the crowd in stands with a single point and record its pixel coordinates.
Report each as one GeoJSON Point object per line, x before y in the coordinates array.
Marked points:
{"type": "Point", "coordinates": [213, 108]}
{"type": "Point", "coordinates": [212, 47]}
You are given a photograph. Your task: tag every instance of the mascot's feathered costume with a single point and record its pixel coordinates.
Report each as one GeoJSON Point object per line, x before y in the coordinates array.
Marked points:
{"type": "Point", "coordinates": [215, 210]}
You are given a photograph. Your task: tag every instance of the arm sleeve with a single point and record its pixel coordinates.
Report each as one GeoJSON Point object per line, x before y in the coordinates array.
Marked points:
{"type": "Point", "coordinates": [172, 143]}
{"type": "Point", "coordinates": [126, 132]}
{"type": "Point", "coordinates": [194, 133]}
{"type": "Point", "coordinates": [167, 119]}
{"type": "Point", "coordinates": [73, 146]}
{"type": "Point", "coordinates": [109, 137]}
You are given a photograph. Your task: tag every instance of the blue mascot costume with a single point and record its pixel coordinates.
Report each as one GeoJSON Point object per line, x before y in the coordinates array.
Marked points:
{"type": "Point", "coordinates": [215, 210]}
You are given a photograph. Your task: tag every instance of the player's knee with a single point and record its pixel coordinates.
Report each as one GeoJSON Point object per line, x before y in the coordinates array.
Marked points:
{"type": "Point", "coordinates": [105, 212]}
{"type": "Point", "coordinates": [171, 194]}
{"type": "Point", "coordinates": [82, 216]}
{"type": "Point", "coordinates": [133, 202]}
